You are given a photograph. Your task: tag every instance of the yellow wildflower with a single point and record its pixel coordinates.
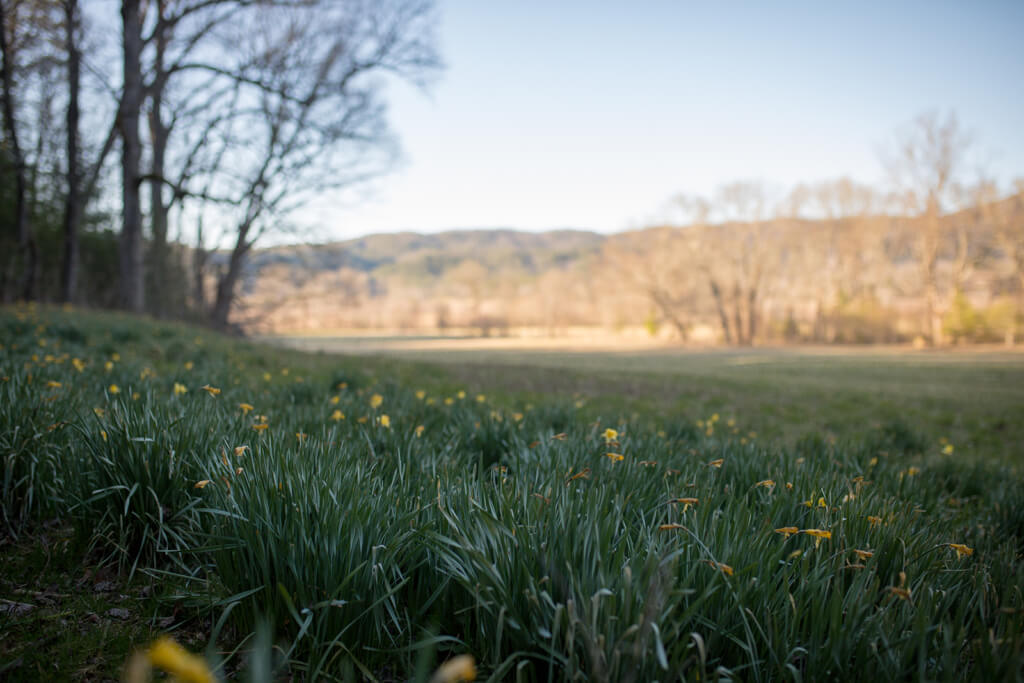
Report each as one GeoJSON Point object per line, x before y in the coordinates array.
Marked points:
{"type": "Point", "coordinates": [419, 430]}
{"type": "Point", "coordinates": [201, 484]}
{"type": "Point", "coordinates": [947, 449]}
{"type": "Point", "coordinates": [78, 363]}
{"type": "Point", "coordinates": [176, 660]}
{"type": "Point", "coordinates": [179, 389]}
{"type": "Point", "coordinates": [913, 471]}
{"type": "Point", "coordinates": [863, 554]}
{"type": "Point", "coordinates": [767, 483]}
{"type": "Point", "coordinates": [818, 534]}
{"type": "Point", "coordinates": [720, 566]}
{"type": "Point", "coordinates": [335, 400]}
{"type": "Point", "coordinates": [687, 502]}
{"type": "Point", "coordinates": [240, 451]}
{"type": "Point", "coordinates": [337, 415]}
{"type": "Point", "coordinates": [615, 457]}
{"type": "Point", "coordinates": [874, 521]}
{"type": "Point", "coordinates": [99, 411]}
{"type": "Point", "coordinates": [787, 531]}
{"type": "Point", "coordinates": [610, 434]}
{"type": "Point", "coordinates": [420, 394]}
{"type": "Point", "coordinates": [189, 365]}
{"type": "Point", "coordinates": [385, 421]}
{"type": "Point", "coordinates": [53, 385]}
{"type": "Point", "coordinates": [717, 464]}
{"type": "Point", "coordinates": [461, 395]}
{"type": "Point", "coordinates": [376, 400]}
{"type": "Point", "coordinates": [259, 427]}
{"type": "Point", "coordinates": [114, 389]}
{"type": "Point", "coordinates": [266, 376]}
{"type": "Point", "coordinates": [246, 408]}
{"type": "Point", "coordinates": [480, 398]}
{"type": "Point", "coordinates": [961, 549]}
{"type": "Point", "coordinates": [103, 433]}
{"type": "Point", "coordinates": [212, 391]}
{"type": "Point", "coordinates": [116, 357]}
{"type": "Point", "coordinates": [301, 436]}
{"type": "Point", "coordinates": [517, 417]}
{"type": "Point", "coordinates": [456, 670]}
{"type": "Point", "coordinates": [135, 395]}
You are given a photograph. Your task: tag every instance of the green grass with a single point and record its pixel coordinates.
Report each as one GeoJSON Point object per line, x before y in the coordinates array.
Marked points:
{"type": "Point", "coordinates": [500, 525]}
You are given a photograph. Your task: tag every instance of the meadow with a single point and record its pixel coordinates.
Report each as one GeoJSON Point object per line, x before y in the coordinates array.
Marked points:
{"type": "Point", "coordinates": [314, 516]}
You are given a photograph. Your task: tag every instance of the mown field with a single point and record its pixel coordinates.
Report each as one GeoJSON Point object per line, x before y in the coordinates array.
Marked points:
{"type": "Point", "coordinates": [311, 516]}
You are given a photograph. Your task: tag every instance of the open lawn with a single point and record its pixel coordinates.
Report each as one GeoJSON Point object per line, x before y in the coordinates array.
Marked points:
{"type": "Point", "coordinates": [973, 398]}
{"type": "Point", "coordinates": [298, 516]}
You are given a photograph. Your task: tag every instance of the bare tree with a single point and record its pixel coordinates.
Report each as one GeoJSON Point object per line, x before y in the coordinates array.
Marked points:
{"type": "Point", "coordinates": [73, 204]}
{"type": "Point", "coordinates": [132, 284]}
{"type": "Point", "coordinates": [925, 169]}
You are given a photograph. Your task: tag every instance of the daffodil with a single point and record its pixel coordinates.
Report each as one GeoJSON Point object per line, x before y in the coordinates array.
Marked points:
{"type": "Point", "coordinates": [961, 550]}
{"type": "Point", "coordinates": [787, 531]}
{"type": "Point", "coordinates": [335, 400]}
{"type": "Point", "coordinates": [376, 400]}
{"type": "Point", "coordinates": [189, 365]}
{"type": "Point", "coordinates": [301, 436]}
{"type": "Point", "coordinates": [720, 566]}
{"type": "Point", "coordinates": [615, 457]}
{"type": "Point", "coordinates": [337, 415]}
{"type": "Point", "coordinates": [114, 389]}
{"type": "Point", "coordinates": [179, 389]}
{"type": "Point", "coordinates": [245, 408]}
{"type": "Point", "coordinates": [240, 451]}
{"type": "Point", "coordinates": [201, 484]}
{"type": "Point", "coordinates": [480, 398]}
{"type": "Point", "coordinates": [419, 430]}
{"type": "Point", "coordinates": [260, 426]}
{"type": "Point", "coordinates": [863, 554]}
{"type": "Point", "coordinates": [767, 483]}
{"type": "Point", "coordinates": [53, 385]}
{"type": "Point", "coordinates": [717, 464]}
{"type": "Point", "coordinates": [687, 502]}
{"type": "Point", "coordinates": [212, 391]}
{"type": "Point", "coordinates": [385, 421]}
{"type": "Point", "coordinates": [610, 434]}
{"type": "Point", "coordinates": [947, 449]}
{"type": "Point", "coordinates": [818, 534]}
{"type": "Point", "coordinates": [874, 521]}
{"type": "Point", "coordinates": [420, 394]}
{"type": "Point", "coordinates": [183, 665]}
{"type": "Point", "coordinates": [459, 669]}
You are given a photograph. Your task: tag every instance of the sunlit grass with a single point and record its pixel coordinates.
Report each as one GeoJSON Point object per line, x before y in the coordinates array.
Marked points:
{"type": "Point", "coordinates": [363, 521]}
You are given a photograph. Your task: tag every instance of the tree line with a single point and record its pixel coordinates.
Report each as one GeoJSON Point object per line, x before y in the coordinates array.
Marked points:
{"type": "Point", "coordinates": [227, 116]}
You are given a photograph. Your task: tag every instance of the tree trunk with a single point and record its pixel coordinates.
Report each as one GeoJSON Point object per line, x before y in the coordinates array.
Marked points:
{"type": "Point", "coordinates": [73, 204]}
{"type": "Point", "coordinates": [158, 135]}
{"type": "Point", "coordinates": [26, 242]}
{"type": "Point", "coordinates": [132, 276]}
{"type": "Point", "coordinates": [723, 317]}
{"type": "Point", "coordinates": [225, 297]}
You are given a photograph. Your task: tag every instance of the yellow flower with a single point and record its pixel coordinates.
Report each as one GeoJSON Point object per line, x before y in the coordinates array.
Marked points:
{"type": "Point", "coordinates": [863, 554]}
{"type": "Point", "coordinates": [189, 365]}
{"type": "Point", "coordinates": [266, 376]}
{"type": "Point", "coordinates": [284, 371]}
{"type": "Point", "coordinates": [767, 483]}
{"type": "Point", "coordinates": [687, 502]}
{"type": "Point", "coordinates": [99, 411]}
{"type": "Point", "coordinates": [246, 408]}
{"type": "Point", "coordinates": [610, 434]}
{"type": "Point", "coordinates": [259, 427]}
{"type": "Point", "coordinates": [461, 395]}
{"type": "Point", "coordinates": [818, 534]}
{"type": "Point", "coordinates": [212, 391]}
{"type": "Point", "coordinates": [947, 449]}
{"type": "Point", "coordinates": [103, 433]}
{"type": "Point", "coordinates": [301, 436]}
{"type": "Point", "coordinates": [787, 531]}
{"type": "Point", "coordinates": [179, 389]}
{"type": "Point", "coordinates": [615, 457]}
{"type": "Point", "coordinates": [717, 464]}
{"type": "Point", "coordinates": [720, 566]}
{"type": "Point", "coordinates": [335, 400]}
{"type": "Point", "coordinates": [913, 471]}
{"type": "Point", "coordinates": [385, 421]}
{"type": "Point", "coordinates": [376, 400]}
{"type": "Point", "coordinates": [78, 363]}
{"type": "Point", "coordinates": [114, 389]}
{"type": "Point", "coordinates": [342, 385]}
{"type": "Point", "coordinates": [480, 398]}
{"type": "Point", "coordinates": [961, 549]}
{"type": "Point", "coordinates": [176, 660]}
{"type": "Point", "coordinates": [419, 430]}
{"type": "Point", "coordinates": [420, 394]}
{"type": "Point", "coordinates": [135, 395]}
{"type": "Point", "coordinates": [240, 451]}
{"type": "Point", "coordinates": [874, 521]}
{"type": "Point", "coordinates": [337, 415]}
{"type": "Point", "coordinates": [53, 385]}
{"type": "Point", "coordinates": [517, 417]}
{"type": "Point", "coordinates": [201, 484]}
{"type": "Point", "coordinates": [456, 670]}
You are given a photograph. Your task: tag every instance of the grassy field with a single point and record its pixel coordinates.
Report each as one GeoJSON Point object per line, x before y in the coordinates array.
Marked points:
{"type": "Point", "coordinates": [971, 398]}
{"type": "Point", "coordinates": [739, 516]}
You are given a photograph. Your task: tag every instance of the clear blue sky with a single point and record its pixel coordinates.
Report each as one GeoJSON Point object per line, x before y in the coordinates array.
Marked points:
{"type": "Point", "coordinates": [593, 114]}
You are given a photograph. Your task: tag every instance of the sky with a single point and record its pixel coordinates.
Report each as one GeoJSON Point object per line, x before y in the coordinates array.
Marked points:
{"type": "Point", "coordinates": [593, 115]}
